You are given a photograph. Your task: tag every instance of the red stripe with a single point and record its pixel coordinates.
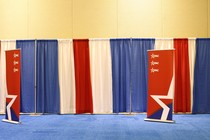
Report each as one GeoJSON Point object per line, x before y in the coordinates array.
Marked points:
{"type": "Point", "coordinates": [182, 99]}
{"type": "Point", "coordinates": [84, 103]}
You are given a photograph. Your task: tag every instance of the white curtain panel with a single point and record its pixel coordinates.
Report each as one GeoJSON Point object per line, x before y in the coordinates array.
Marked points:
{"type": "Point", "coordinates": [161, 44]}
{"type": "Point", "coordinates": [192, 55]}
{"type": "Point", "coordinates": [101, 75]}
{"type": "Point", "coordinates": [5, 45]}
{"type": "Point", "coordinates": [66, 76]}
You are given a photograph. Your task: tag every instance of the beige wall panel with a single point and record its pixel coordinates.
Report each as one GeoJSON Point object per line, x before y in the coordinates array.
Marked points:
{"type": "Point", "coordinates": [94, 18]}
{"type": "Point", "coordinates": [208, 18]}
{"type": "Point", "coordinates": [24, 19]}
{"type": "Point", "coordinates": [13, 22]}
{"type": "Point", "coordinates": [185, 18]}
{"type": "Point", "coordinates": [139, 18]}
{"type": "Point", "coordinates": [50, 18]}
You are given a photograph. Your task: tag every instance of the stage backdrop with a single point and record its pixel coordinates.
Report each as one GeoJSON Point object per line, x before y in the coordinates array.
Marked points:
{"type": "Point", "coordinates": [127, 88]}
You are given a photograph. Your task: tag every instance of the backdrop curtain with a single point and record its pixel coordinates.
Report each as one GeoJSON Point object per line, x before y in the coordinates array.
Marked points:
{"type": "Point", "coordinates": [27, 94]}
{"type": "Point", "coordinates": [121, 74]}
{"type": "Point", "coordinates": [161, 44]}
{"type": "Point", "coordinates": [182, 77]}
{"type": "Point", "coordinates": [84, 103]}
{"type": "Point", "coordinates": [201, 91]}
{"type": "Point", "coordinates": [192, 53]}
{"type": "Point", "coordinates": [5, 45]}
{"type": "Point", "coordinates": [139, 74]}
{"type": "Point", "coordinates": [66, 76]}
{"type": "Point", "coordinates": [48, 96]}
{"type": "Point", "coordinates": [101, 75]}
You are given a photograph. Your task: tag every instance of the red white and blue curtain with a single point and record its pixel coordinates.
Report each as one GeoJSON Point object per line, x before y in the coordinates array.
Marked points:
{"type": "Point", "coordinates": [104, 75]}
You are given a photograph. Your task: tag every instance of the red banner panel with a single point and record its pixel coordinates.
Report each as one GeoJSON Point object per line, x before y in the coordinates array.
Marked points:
{"type": "Point", "coordinates": [13, 85]}
{"type": "Point", "coordinates": [160, 85]}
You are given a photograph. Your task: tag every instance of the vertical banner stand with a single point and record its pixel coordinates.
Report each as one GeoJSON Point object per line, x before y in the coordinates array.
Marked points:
{"type": "Point", "coordinates": [161, 77]}
{"type": "Point", "coordinates": [13, 86]}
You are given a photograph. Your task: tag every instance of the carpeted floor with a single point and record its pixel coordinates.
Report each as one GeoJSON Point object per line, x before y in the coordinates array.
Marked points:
{"type": "Point", "coordinates": [106, 127]}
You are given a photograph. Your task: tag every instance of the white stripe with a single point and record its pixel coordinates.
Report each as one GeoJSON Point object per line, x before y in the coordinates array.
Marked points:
{"type": "Point", "coordinates": [162, 44]}
{"type": "Point", "coordinates": [66, 76]}
{"type": "Point", "coordinates": [192, 55]}
{"type": "Point", "coordinates": [101, 75]}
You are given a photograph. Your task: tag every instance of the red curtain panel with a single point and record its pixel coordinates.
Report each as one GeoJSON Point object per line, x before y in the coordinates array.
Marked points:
{"type": "Point", "coordinates": [182, 99]}
{"type": "Point", "coordinates": [84, 103]}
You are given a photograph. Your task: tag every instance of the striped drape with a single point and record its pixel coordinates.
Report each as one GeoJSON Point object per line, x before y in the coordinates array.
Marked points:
{"type": "Point", "coordinates": [104, 75]}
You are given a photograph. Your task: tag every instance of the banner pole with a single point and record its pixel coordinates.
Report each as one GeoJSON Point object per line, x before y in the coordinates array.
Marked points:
{"type": "Point", "coordinates": [130, 109]}
{"type": "Point", "coordinates": [35, 75]}
{"type": "Point", "coordinates": [35, 85]}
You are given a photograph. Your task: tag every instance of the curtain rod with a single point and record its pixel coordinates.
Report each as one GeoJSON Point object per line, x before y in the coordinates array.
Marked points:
{"type": "Point", "coordinates": [97, 38]}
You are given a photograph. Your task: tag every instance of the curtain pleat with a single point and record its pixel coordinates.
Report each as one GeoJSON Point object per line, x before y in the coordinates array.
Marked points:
{"type": "Point", "coordinates": [84, 103]}
{"type": "Point", "coordinates": [5, 45]}
{"type": "Point", "coordinates": [66, 76]}
{"type": "Point", "coordinates": [192, 54]}
{"type": "Point", "coordinates": [201, 91]}
{"type": "Point", "coordinates": [139, 74]}
{"type": "Point", "coordinates": [182, 98]}
{"type": "Point", "coordinates": [48, 96]}
{"type": "Point", "coordinates": [121, 74]}
{"type": "Point", "coordinates": [27, 96]}
{"type": "Point", "coordinates": [101, 75]}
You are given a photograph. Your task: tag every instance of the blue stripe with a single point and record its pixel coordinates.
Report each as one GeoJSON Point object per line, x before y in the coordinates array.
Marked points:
{"type": "Point", "coordinates": [27, 95]}
{"type": "Point", "coordinates": [48, 96]}
{"type": "Point", "coordinates": [201, 94]}
{"type": "Point", "coordinates": [139, 73]}
{"type": "Point", "coordinates": [120, 52]}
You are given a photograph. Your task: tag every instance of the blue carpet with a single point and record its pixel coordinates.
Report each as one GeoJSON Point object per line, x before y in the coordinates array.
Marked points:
{"type": "Point", "coordinates": [106, 127]}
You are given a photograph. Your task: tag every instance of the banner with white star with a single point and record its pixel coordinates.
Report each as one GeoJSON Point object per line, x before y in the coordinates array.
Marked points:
{"type": "Point", "coordinates": [13, 86]}
{"type": "Point", "coordinates": [160, 85]}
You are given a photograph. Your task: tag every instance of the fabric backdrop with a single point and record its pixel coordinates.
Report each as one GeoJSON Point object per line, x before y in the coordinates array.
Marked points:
{"type": "Point", "coordinates": [101, 75]}
{"type": "Point", "coordinates": [104, 76]}
{"type": "Point", "coordinates": [201, 91]}
{"type": "Point", "coordinates": [121, 74]}
{"type": "Point", "coordinates": [192, 53]}
{"type": "Point", "coordinates": [182, 97]}
{"type": "Point", "coordinates": [48, 96]}
{"type": "Point", "coordinates": [139, 74]}
{"type": "Point", "coordinates": [27, 94]}
{"type": "Point", "coordinates": [66, 76]}
{"type": "Point", "coordinates": [84, 102]}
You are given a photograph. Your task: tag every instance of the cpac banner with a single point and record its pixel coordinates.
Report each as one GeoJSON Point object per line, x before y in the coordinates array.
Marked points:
{"type": "Point", "coordinates": [160, 85]}
{"type": "Point", "coordinates": [13, 86]}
